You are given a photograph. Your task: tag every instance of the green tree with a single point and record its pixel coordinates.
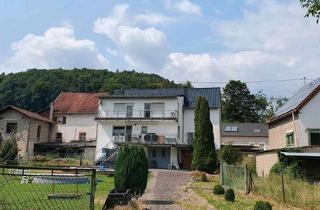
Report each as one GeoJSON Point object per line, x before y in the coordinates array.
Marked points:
{"type": "Point", "coordinates": [204, 153]}
{"type": "Point", "coordinates": [238, 104]}
{"type": "Point", "coordinates": [9, 152]}
{"type": "Point", "coordinates": [229, 154]}
{"type": "Point", "coordinates": [274, 103]}
{"type": "Point", "coordinates": [131, 171]}
{"type": "Point", "coordinates": [313, 8]}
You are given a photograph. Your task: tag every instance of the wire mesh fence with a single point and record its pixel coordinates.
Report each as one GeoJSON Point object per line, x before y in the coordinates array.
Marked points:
{"type": "Point", "coordinates": [235, 177]}
{"type": "Point", "coordinates": [46, 188]}
{"type": "Point", "coordinates": [288, 190]}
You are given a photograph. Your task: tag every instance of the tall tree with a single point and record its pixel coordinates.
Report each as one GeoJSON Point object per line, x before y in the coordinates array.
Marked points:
{"type": "Point", "coordinates": [238, 104]}
{"type": "Point", "coordinates": [313, 8]}
{"type": "Point", "coordinates": [204, 153]}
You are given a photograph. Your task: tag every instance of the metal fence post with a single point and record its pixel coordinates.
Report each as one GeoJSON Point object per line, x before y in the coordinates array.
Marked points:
{"type": "Point", "coordinates": [246, 178]}
{"type": "Point", "coordinates": [92, 189]}
{"type": "Point", "coordinates": [283, 192]}
{"type": "Point", "coordinates": [221, 173]}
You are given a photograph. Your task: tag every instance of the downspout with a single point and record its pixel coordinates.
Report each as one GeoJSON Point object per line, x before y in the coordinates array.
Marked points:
{"type": "Point", "coordinates": [295, 130]}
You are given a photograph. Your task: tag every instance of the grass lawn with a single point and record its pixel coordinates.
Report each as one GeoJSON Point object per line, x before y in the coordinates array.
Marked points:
{"type": "Point", "coordinates": [14, 195]}
{"type": "Point", "coordinates": [242, 201]}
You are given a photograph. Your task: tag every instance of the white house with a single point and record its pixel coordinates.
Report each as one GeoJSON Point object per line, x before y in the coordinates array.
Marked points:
{"type": "Point", "coordinates": [27, 127]}
{"type": "Point", "coordinates": [295, 124]}
{"type": "Point", "coordinates": [160, 119]}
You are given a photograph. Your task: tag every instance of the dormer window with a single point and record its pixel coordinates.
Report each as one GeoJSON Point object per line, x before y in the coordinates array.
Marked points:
{"type": "Point", "coordinates": [231, 129]}
{"type": "Point", "coordinates": [257, 130]}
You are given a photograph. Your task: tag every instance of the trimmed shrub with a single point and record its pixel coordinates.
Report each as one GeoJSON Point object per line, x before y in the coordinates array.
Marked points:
{"type": "Point", "coordinates": [204, 153]}
{"type": "Point", "coordinates": [131, 170]}
{"type": "Point", "coordinates": [218, 190]}
{"type": "Point", "coordinates": [9, 152]}
{"type": "Point", "coordinates": [229, 195]}
{"type": "Point", "coordinates": [262, 205]}
{"type": "Point", "coordinates": [199, 176]}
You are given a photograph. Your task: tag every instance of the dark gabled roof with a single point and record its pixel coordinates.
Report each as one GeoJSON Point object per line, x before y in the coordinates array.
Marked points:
{"type": "Point", "coordinates": [71, 103]}
{"type": "Point", "coordinates": [298, 100]}
{"type": "Point", "coordinates": [190, 94]}
{"type": "Point", "coordinates": [27, 113]}
{"type": "Point", "coordinates": [245, 130]}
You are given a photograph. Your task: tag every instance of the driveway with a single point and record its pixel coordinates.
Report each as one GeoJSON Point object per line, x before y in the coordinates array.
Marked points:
{"type": "Point", "coordinates": [165, 188]}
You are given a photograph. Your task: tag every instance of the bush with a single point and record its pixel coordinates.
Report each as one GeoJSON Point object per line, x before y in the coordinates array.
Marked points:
{"type": "Point", "coordinates": [131, 170]}
{"type": "Point", "coordinates": [218, 190]}
{"type": "Point", "coordinates": [9, 152]}
{"type": "Point", "coordinates": [293, 170]}
{"type": "Point", "coordinates": [229, 154]}
{"type": "Point", "coordinates": [262, 205]}
{"type": "Point", "coordinates": [199, 176]}
{"type": "Point", "coordinates": [229, 195]}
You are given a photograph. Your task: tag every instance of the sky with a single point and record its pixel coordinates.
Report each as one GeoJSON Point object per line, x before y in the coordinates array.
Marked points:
{"type": "Point", "coordinates": [207, 42]}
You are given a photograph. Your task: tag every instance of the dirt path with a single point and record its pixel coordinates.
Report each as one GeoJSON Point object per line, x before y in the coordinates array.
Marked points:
{"type": "Point", "coordinates": [165, 189]}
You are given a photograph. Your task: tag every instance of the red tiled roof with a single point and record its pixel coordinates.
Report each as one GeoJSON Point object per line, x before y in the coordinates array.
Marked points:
{"type": "Point", "coordinates": [27, 113]}
{"type": "Point", "coordinates": [76, 103]}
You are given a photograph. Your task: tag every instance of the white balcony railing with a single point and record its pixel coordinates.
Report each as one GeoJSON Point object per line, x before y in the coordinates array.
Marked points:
{"type": "Point", "coordinates": [173, 114]}
{"type": "Point", "coordinates": [149, 138]}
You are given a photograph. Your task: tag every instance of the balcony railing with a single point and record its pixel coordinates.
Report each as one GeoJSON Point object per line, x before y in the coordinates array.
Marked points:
{"type": "Point", "coordinates": [138, 114]}
{"type": "Point", "coordinates": [149, 138]}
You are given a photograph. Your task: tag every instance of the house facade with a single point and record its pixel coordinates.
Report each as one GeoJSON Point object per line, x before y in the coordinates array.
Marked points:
{"type": "Point", "coordinates": [160, 119]}
{"type": "Point", "coordinates": [75, 128]}
{"type": "Point", "coordinates": [294, 125]}
{"type": "Point", "coordinates": [248, 137]}
{"type": "Point", "coordinates": [27, 127]}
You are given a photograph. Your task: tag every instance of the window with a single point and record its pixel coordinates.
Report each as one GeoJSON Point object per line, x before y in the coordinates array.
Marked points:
{"type": "Point", "coordinates": [82, 136]}
{"type": "Point", "coordinates": [61, 119]}
{"type": "Point", "coordinates": [118, 131]}
{"type": "Point", "coordinates": [231, 129]}
{"type": "Point", "coordinates": [58, 136]}
{"type": "Point", "coordinates": [11, 128]}
{"type": "Point", "coordinates": [119, 109]}
{"type": "Point", "coordinates": [154, 154]}
{"type": "Point", "coordinates": [190, 137]}
{"type": "Point", "coordinates": [257, 130]}
{"type": "Point", "coordinates": [290, 139]}
{"type": "Point", "coordinates": [157, 109]}
{"type": "Point", "coordinates": [38, 133]}
{"type": "Point", "coordinates": [147, 110]}
{"type": "Point", "coordinates": [144, 129]}
{"type": "Point", "coordinates": [314, 135]}
{"type": "Point", "coordinates": [261, 146]}
{"type": "Point", "coordinates": [163, 153]}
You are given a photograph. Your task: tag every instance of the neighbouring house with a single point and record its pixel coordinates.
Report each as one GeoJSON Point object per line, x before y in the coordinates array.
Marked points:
{"type": "Point", "coordinates": [27, 127]}
{"type": "Point", "coordinates": [294, 125]}
{"type": "Point", "coordinates": [247, 137]}
{"type": "Point", "coordinates": [162, 120]}
{"type": "Point", "coordinates": [75, 128]}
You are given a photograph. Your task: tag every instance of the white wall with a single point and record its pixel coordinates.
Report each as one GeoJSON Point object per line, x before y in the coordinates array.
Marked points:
{"type": "Point", "coordinates": [309, 118]}
{"type": "Point", "coordinates": [76, 123]}
{"type": "Point", "coordinates": [214, 118]}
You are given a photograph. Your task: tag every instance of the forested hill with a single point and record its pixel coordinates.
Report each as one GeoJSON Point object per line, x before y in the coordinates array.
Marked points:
{"type": "Point", "coordinates": [35, 89]}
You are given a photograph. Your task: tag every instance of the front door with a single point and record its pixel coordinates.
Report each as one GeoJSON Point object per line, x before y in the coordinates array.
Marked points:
{"type": "Point", "coordinates": [186, 158]}
{"type": "Point", "coordinates": [128, 133]}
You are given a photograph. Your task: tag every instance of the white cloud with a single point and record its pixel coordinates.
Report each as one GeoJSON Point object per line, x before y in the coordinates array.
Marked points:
{"type": "Point", "coordinates": [142, 48]}
{"type": "Point", "coordinates": [153, 18]}
{"type": "Point", "coordinates": [184, 6]}
{"type": "Point", "coordinates": [57, 47]}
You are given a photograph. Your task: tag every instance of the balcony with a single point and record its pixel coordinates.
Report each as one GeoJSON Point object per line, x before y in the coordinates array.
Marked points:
{"type": "Point", "coordinates": [138, 115]}
{"type": "Point", "coordinates": [150, 139]}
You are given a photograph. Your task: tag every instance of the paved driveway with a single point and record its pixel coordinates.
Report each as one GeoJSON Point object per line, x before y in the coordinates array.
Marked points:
{"type": "Point", "coordinates": [165, 188]}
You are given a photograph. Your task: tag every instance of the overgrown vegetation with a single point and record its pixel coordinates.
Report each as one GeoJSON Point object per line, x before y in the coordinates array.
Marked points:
{"type": "Point", "coordinates": [297, 192]}
{"type": "Point", "coordinates": [35, 89]}
{"type": "Point", "coordinates": [9, 152]}
{"type": "Point", "coordinates": [131, 171]}
{"type": "Point", "coordinates": [204, 153]}
{"type": "Point", "coordinates": [229, 154]}
{"type": "Point", "coordinates": [199, 176]}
